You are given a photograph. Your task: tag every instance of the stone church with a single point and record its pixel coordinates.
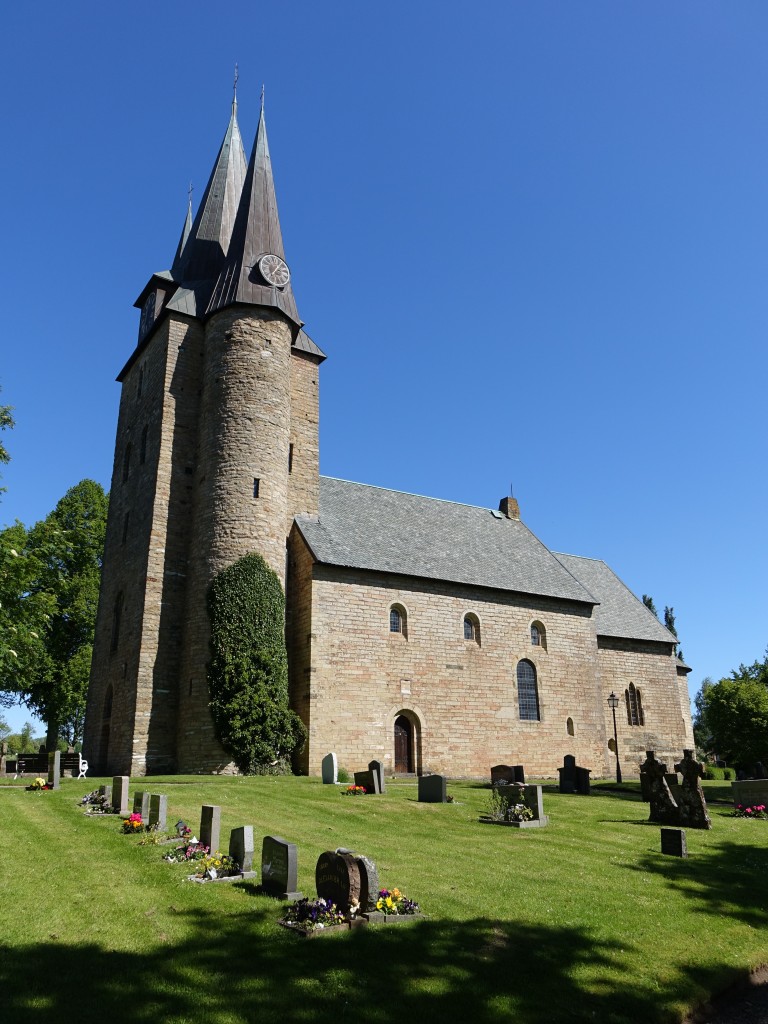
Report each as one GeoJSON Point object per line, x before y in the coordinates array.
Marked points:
{"type": "Point", "coordinates": [431, 635]}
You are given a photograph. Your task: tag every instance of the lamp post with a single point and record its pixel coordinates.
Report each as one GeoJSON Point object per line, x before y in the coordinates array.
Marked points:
{"type": "Point", "coordinates": [613, 703]}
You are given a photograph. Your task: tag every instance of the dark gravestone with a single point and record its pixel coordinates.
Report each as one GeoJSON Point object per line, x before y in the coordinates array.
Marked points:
{"type": "Point", "coordinates": [369, 780]}
{"type": "Point", "coordinates": [432, 789]}
{"type": "Point", "coordinates": [241, 847]}
{"type": "Point", "coordinates": [280, 868]}
{"type": "Point", "coordinates": [532, 795]}
{"type": "Point", "coordinates": [664, 809]}
{"type": "Point", "coordinates": [758, 772]}
{"type": "Point", "coordinates": [330, 770]}
{"type": "Point", "coordinates": [54, 769]}
{"type": "Point", "coordinates": [673, 842]}
{"type": "Point", "coordinates": [210, 826]}
{"type": "Point", "coordinates": [369, 884]}
{"type": "Point", "coordinates": [158, 810]}
{"type": "Point", "coordinates": [690, 795]}
{"type": "Point", "coordinates": [337, 878]}
{"type": "Point", "coordinates": [141, 805]}
{"type": "Point", "coordinates": [573, 779]}
{"type": "Point", "coordinates": [377, 767]}
{"type": "Point", "coordinates": [120, 794]}
{"type": "Point", "coordinates": [507, 773]}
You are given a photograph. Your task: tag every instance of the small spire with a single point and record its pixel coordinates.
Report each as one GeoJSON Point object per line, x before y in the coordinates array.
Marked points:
{"type": "Point", "coordinates": [262, 97]}
{"type": "Point", "coordinates": [190, 190]}
{"type": "Point", "coordinates": [234, 89]}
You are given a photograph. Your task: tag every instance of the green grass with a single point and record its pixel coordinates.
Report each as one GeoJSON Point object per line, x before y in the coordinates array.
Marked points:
{"type": "Point", "coordinates": [581, 921]}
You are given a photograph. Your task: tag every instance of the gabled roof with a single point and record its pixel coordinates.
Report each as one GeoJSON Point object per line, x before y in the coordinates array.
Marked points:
{"type": "Point", "coordinates": [366, 527]}
{"type": "Point", "coordinates": [256, 232]}
{"type": "Point", "coordinates": [304, 343]}
{"type": "Point", "coordinates": [619, 613]}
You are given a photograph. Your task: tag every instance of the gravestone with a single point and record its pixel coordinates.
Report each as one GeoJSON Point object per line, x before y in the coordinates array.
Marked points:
{"type": "Point", "coordinates": [210, 826]}
{"type": "Point", "coordinates": [664, 809]}
{"type": "Point", "coordinates": [573, 779]}
{"type": "Point", "coordinates": [241, 847]}
{"type": "Point", "coordinates": [106, 792]}
{"type": "Point", "coordinates": [378, 768]}
{"type": "Point", "coordinates": [141, 805]}
{"type": "Point", "coordinates": [330, 770]}
{"type": "Point", "coordinates": [120, 794]}
{"type": "Point", "coordinates": [158, 810]}
{"type": "Point", "coordinates": [369, 884]}
{"type": "Point", "coordinates": [280, 868]}
{"type": "Point", "coordinates": [432, 789]}
{"type": "Point", "coordinates": [337, 878]}
{"type": "Point", "coordinates": [3, 756]}
{"type": "Point", "coordinates": [749, 792]}
{"type": "Point", "coordinates": [673, 842]}
{"type": "Point", "coordinates": [54, 769]}
{"type": "Point", "coordinates": [690, 795]}
{"type": "Point", "coordinates": [534, 799]}
{"type": "Point", "coordinates": [370, 780]}
{"type": "Point", "coordinates": [506, 774]}
{"type": "Point", "coordinates": [758, 772]}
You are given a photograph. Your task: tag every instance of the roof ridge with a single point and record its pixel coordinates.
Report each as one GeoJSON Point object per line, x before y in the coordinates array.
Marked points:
{"type": "Point", "coordinates": [411, 494]}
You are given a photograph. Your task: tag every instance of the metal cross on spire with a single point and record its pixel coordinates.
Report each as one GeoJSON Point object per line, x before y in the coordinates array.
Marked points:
{"type": "Point", "coordinates": [190, 190]}
{"type": "Point", "coordinates": [262, 97]}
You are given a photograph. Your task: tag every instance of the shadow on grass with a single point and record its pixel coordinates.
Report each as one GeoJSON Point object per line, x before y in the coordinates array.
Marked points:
{"type": "Point", "coordinates": [237, 968]}
{"type": "Point", "coordinates": [731, 880]}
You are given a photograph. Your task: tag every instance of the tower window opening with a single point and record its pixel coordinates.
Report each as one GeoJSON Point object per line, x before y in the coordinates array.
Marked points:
{"type": "Point", "coordinates": [256, 485]}
{"type": "Point", "coordinates": [143, 449]}
{"type": "Point", "coordinates": [290, 458]}
{"type": "Point", "coordinates": [127, 461]}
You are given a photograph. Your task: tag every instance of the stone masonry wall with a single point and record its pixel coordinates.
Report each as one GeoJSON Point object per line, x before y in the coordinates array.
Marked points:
{"type": "Point", "coordinates": [298, 633]}
{"type": "Point", "coordinates": [463, 694]}
{"type": "Point", "coordinates": [304, 476]}
{"type": "Point", "coordinates": [243, 435]}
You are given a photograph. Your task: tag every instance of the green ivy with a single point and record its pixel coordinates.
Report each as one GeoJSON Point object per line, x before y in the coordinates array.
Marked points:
{"type": "Point", "coordinates": [248, 671]}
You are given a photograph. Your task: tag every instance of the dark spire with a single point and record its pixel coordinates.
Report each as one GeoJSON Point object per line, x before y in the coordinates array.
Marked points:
{"type": "Point", "coordinates": [256, 233]}
{"type": "Point", "coordinates": [178, 259]}
{"type": "Point", "coordinates": [209, 236]}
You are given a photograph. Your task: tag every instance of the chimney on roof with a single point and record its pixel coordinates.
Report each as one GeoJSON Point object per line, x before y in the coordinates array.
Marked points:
{"type": "Point", "coordinates": [510, 508]}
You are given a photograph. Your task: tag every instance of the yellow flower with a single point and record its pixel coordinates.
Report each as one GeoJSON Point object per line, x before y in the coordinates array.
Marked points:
{"type": "Point", "coordinates": [396, 893]}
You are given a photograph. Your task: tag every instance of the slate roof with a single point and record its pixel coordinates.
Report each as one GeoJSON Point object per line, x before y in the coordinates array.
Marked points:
{"type": "Point", "coordinates": [366, 527]}
{"type": "Point", "coordinates": [619, 613]}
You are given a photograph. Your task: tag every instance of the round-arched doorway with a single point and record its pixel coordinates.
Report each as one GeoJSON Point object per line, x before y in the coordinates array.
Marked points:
{"type": "Point", "coordinates": [404, 746]}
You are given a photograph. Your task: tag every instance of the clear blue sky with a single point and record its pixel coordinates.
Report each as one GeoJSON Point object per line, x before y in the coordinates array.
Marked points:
{"type": "Point", "coordinates": [531, 238]}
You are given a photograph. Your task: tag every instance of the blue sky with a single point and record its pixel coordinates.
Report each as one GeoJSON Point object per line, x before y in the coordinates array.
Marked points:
{"type": "Point", "coordinates": [531, 238]}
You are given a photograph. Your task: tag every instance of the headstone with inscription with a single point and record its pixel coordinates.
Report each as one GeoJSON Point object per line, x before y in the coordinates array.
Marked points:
{"type": "Point", "coordinates": [673, 842]}
{"type": "Point", "coordinates": [432, 789]}
{"type": "Point", "coordinates": [378, 768]}
{"type": "Point", "coordinates": [241, 847]}
{"type": "Point", "coordinates": [330, 770]}
{"type": "Point", "coordinates": [120, 794]}
{"type": "Point", "coordinates": [54, 769]}
{"type": "Point", "coordinates": [158, 811]}
{"type": "Point", "coordinates": [369, 780]}
{"type": "Point", "coordinates": [337, 878]}
{"type": "Point", "coordinates": [280, 868]}
{"type": "Point", "coordinates": [141, 805]}
{"type": "Point", "coordinates": [210, 826]}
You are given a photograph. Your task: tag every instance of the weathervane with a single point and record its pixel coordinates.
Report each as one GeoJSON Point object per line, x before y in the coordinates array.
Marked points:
{"type": "Point", "coordinates": [234, 87]}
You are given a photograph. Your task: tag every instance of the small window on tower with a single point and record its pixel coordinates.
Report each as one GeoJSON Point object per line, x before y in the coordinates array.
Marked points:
{"type": "Point", "coordinates": [290, 458]}
{"type": "Point", "coordinates": [143, 449]}
{"type": "Point", "coordinates": [127, 461]}
{"type": "Point", "coordinates": [256, 485]}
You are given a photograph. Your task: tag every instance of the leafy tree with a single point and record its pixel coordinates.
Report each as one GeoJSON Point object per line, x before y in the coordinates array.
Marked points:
{"type": "Point", "coordinates": [734, 714]}
{"type": "Point", "coordinates": [4, 728]}
{"type": "Point", "coordinates": [54, 599]}
{"type": "Point", "coordinates": [248, 671]}
{"type": "Point", "coordinates": [701, 731]}
{"type": "Point", "coordinates": [6, 422]}
{"type": "Point", "coordinates": [669, 621]}
{"type": "Point", "coordinates": [648, 602]}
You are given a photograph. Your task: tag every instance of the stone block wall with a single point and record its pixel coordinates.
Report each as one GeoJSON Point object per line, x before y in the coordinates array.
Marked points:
{"type": "Point", "coordinates": [304, 451]}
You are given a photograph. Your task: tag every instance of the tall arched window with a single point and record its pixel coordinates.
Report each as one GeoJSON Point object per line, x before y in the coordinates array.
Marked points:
{"type": "Point", "coordinates": [527, 691]}
{"type": "Point", "coordinates": [117, 614]}
{"type": "Point", "coordinates": [127, 461]}
{"type": "Point", "coordinates": [472, 628]}
{"type": "Point", "coordinates": [634, 703]}
{"type": "Point", "coordinates": [143, 449]}
{"type": "Point", "coordinates": [397, 620]}
{"type": "Point", "coordinates": [538, 635]}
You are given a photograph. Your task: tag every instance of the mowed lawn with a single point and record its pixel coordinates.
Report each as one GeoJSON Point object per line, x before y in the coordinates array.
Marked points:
{"type": "Point", "coordinates": [584, 920]}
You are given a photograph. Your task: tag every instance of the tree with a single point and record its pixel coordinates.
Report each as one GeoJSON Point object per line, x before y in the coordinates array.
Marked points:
{"type": "Point", "coordinates": [669, 621]}
{"type": "Point", "coordinates": [248, 671]}
{"type": "Point", "coordinates": [648, 602]}
{"type": "Point", "coordinates": [734, 713]}
{"type": "Point", "coordinates": [6, 422]}
{"type": "Point", "coordinates": [56, 592]}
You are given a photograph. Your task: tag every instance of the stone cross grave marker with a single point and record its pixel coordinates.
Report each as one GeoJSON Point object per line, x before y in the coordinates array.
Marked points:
{"type": "Point", "coordinates": [210, 826]}
{"type": "Point", "coordinates": [158, 810]}
{"type": "Point", "coordinates": [141, 805]}
{"type": "Point", "coordinates": [120, 794]}
{"type": "Point", "coordinates": [280, 868]}
{"type": "Point", "coordinates": [673, 842]}
{"type": "Point", "coordinates": [377, 767]}
{"type": "Point", "coordinates": [330, 770]}
{"type": "Point", "coordinates": [241, 847]}
{"type": "Point", "coordinates": [433, 789]}
{"type": "Point", "coordinates": [370, 780]}
{"type": "Point", "coordinates": [664, 809]}
{"type": "Point", "coordinates": [690, 795]}
{"type": "Point", "coordinates": [337, 878]}
{"type": "Point", "coordinates": [54, 768]}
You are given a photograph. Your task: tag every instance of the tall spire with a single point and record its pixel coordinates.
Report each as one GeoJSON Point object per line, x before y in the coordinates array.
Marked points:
{"type": "Point", "coordinates": [178, 259]}
{"type": "Point", "coordinates": [256, 233]}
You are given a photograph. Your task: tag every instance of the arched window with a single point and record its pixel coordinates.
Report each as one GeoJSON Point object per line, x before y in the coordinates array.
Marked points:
{"type": "Point", "coordinates": [538, 635]}
{"type": "Point", "coordinates": [569, 727]}
{"type": "Point", "coordinates": [108, 703]}
{"type": "Point", "coordinates": [472, 628]}
{"type": "Point", "coordinates": [634, 703]}
{"type": "Point", "coordinates": [143, 449]}
{"type": "Point", "coordinates": [117, 614]}
{"type": "Point", "coordinates": [527, 692]}
{"type": "Point", "coordinates": [397, 620]}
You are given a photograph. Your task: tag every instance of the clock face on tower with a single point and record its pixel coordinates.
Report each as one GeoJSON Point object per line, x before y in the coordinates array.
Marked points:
{"type": "Point", "coordinates": [274, 270]}
{"type": "Point", "coordinates": [147, 314]}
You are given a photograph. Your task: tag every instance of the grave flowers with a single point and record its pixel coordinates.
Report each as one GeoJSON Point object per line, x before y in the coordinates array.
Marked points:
{"type": "Point", "coordinates": [392, 901]}
{"type": "Point", "coordinates": [193, 850]}
{"type": "Point", "coordinates": [508, 804]}
{"type": "Point", "coordinates": [216, 865]}
{"type": "Point", "coordinates": [354, 791]}
{"type": "Point", "coordinates": [38, 785]}
{"type": "Point", "coordinates": [97, 803]}
{"type": "Point", "coordinates": [133, 825]}
{"type": "Point", "coordinates": [313, 915]}
{"type": "Point", "coordinates": [755, 811]}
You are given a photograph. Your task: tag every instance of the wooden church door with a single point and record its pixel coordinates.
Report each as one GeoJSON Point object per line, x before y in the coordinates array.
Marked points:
{"type": "Point", "coordinates": [403, 745]}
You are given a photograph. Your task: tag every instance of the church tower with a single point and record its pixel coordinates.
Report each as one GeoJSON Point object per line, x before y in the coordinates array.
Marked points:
{"type": "Point", "coordinates": [216, 452]}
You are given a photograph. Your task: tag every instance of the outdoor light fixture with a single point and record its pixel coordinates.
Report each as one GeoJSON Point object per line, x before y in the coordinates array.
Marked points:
{"type": "Point", "coordinates": [613, 703]}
